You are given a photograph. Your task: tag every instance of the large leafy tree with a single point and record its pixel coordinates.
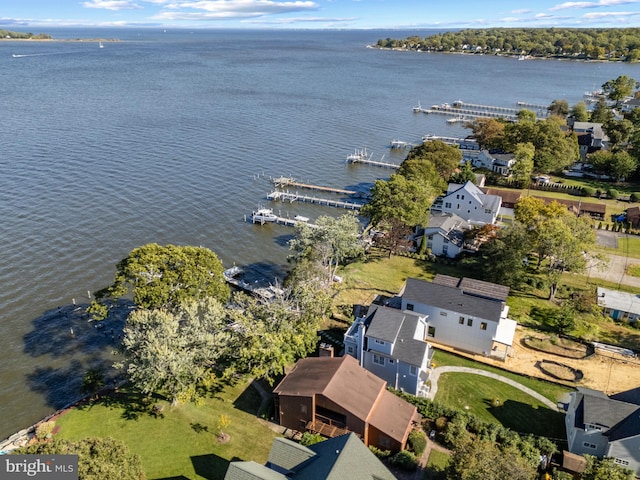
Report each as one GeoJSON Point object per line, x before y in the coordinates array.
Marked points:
{"type": "Point", "coordinates": [331, 241]}
{"type": "Point", "coordinates": [406, 200]}
{"type": "Point", "coordinates": [523, 168]}
{"type": "Point", "coordinates": [171, 352]}
{"type": "Point", "coordinates": [618, 89]}
{"type": "Point", "coordinates": [165, 277]}
{"type": "Point", "coordinates": [482, 460]}
{"type": "Point", "coordinates": [268, 336]}
{"type": "Point", "coordinates": [98, 458]}
{"type": "Point", "coordinates": [605, 469]}
{"type": "Point", "coordinates": [445, 158]}
{"type": "Point", "coordinates": [488, 132]}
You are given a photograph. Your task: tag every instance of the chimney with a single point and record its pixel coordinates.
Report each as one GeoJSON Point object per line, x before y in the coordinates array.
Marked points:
{"type": "Point", "coordinates": [325, 350]}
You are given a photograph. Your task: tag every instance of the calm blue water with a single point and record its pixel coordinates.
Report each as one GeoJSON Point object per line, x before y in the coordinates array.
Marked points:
{"type": "Point", "coordinates": [171, 137]}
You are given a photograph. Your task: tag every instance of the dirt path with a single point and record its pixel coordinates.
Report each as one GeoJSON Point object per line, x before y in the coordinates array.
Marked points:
{"type": "Point", "coordinates": [601, 372]}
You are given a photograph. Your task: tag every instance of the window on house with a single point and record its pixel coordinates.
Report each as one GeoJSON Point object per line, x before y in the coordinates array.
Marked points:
{"type": "Point", "coordinates": [379, 342]}
{"type": "Point", "coordinates": [431, 332]}
{"type": "Point", "coordinates": [469, 322]}
{"type": "Point", "coordinates": [462, 197]}
{"type": "Point", "coordinates": [461, 320]}
{"type": "Point", "coordinates": [487, 210]}
{"type": "Point", "coordinates": [483, 325]}
{"type": "Point", "coordinates": [446, 240]}
{"type": "Point", "coordinates": [378, 359]}
{"type": "Point", "coordinates": [443, 314]}
{"type": "Point", "coordinates": [458, 207]}
{"type": "Point", "coordinates": [619, 461]}
{"type": "Point", "coordinates": [413, 370]}
{"type": "Point", "coordinates": [589, 445]}
{"type": "Point", "coordinates": [445, 248]}
{"type": "Point", "coordinates": [410, 306]}
{"type": "Point", "coordinates": [350, 349]}
{"type": "Point", "coordinates": [447, 205]}
{"type": "Point", "coordinates": [457, 197]}
{"type": "Point", "coordinates": [391, 360]}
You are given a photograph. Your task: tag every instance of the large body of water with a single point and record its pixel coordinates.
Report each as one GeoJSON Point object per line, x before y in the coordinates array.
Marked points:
{"type": "Point", "coordinates": [171, 137]}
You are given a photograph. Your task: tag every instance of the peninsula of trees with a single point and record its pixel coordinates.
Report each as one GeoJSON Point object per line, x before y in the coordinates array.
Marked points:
{"type": "Point", "coordinates": [612, 44]}
{"type": "Point", "coordinates": [9, 35]}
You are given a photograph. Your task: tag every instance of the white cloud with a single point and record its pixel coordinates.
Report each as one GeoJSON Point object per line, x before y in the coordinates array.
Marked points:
{"type": "Point", "coordinates": [598, 15]}
{"type": "Point", "coordinates": [231, 9]}
{"type": "Point", "coordinates": [111, 5]}
{"type": "Point", "coordinates": [600, 3]}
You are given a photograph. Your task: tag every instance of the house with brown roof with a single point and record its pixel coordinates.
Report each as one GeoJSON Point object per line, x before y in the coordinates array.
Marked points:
{"type": "Point", "coordinates": [335, 395]}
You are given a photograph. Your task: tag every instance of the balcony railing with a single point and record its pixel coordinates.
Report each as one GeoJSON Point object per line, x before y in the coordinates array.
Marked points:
{"type": "Point", "coordinates": [327, 427]}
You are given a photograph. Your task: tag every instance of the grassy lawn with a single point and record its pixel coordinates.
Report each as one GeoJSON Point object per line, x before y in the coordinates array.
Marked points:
{"type": "Point", "coordinates": [181, 441]}
{"type": "Point", "coordinates": [436, 464]}
{"type": "Point", "coordinates": [549, 390]}
{"type": "Point", "coordinates": [517, 410]}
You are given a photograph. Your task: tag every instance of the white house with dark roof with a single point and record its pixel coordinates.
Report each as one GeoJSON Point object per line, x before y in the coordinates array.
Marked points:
{"type": "Point", "coordinates": [465, 314]}
{"type": "Point", "coordinates": [445, 234]}
{"type": "Point", "coordinates": [496, 162]}
{"type": "Point", "coordinates": [391, 344]}
{"type": "Point", "coordinates": [605, 427]}
{"type": "Point", "coordinates": [471, 204]}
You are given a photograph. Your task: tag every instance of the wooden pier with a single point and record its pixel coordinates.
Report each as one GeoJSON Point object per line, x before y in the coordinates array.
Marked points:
{"type": "Point", "coordinates": [284, 182]}
{"type": "Point", "coordinates": [367, 161]}
{"type": "Point", "coordinates": [296, 197]}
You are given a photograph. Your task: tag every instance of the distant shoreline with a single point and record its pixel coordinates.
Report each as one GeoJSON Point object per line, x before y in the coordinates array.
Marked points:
{"type": "Point", "coordinates": [64, 40]}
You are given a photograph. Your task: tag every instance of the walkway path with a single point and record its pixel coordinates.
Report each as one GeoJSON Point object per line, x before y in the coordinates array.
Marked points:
{"type": "Point", "coordinates": [435, 375]}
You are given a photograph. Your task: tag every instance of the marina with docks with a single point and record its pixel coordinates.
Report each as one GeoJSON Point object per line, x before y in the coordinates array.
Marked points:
{"type": "Point", "coordinates": [460, 111]}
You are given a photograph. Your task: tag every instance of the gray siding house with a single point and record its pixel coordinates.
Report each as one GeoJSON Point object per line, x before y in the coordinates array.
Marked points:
{"type": "Point", "coordinates": [605, 427]}
{"type": "Point", "coordinates": [391, 344]}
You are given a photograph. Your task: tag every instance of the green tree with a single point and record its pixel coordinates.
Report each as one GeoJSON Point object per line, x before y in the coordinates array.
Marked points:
{"type": "Point", "coordinates": [523, 168]}
{"type": "Point", "coordinates": [445, 158]}
{"type": "Point", "coordinates": [98, 458]}
{"type": "Point", "coordinates": [579, 112]}
{"type": "Point", "coordinates": [333, 241]}
{"type": "Point", "coordinates": [171, 352]}
{"type": "Point", "coordinates": [559, 108]}
{"type": "Point", "coordinates": [394, 237]}
{"type": "Point", "coordinates": [601, 113]}
{"type": "Point", "coordinates": [165, 277]}
{"type": "Point", "coordinates": [605, 469]}
{"type": "Point", "coordinates": [622, 165]}
{"type": "Point", "coordinates": [618, 89]}
{"type": "Point", "coordinates": [406, 200]}
{"type": "Point", "coordinates": [464, 174]}
{"type": "Point", "coordinates": [619, 132]}
{"type": "Point", "coordinates": [268, 336]}
{"type": "Point", "coordinates": [488, 132]}
{"type": "Point", "coordinates": [482, 460]}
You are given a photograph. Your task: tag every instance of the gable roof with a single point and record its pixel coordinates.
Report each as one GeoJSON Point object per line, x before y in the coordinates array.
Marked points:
{"type": "Point", "coordinates": [471, 286]}
{"type": "Point", "coordinates": [337, 378]}
{"type": "Point", "coordinates": [333, 459]}
{"type": "Point", "coordinates": [617, 300]}
{"type": "Point", "coordinates": [398, 327]}
{"type": "Point", "coordinates": [451, 298]}
{"type": "Point", "coordinates": [593, 407]}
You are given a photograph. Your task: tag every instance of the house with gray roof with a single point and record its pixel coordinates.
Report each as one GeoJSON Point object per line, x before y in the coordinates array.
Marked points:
{"type": "Point", "coordinates": [605, 427]}
{"type": "Point", "coordinates": [334, 459]}
{"type": "Point", "coordinates": [619, 305]}
{"type": "Point", "coordinates": [470, 203]}
{"type": "Point", "coordinates": [391, 344]}
{"type": "Point", "coordinates": [466, 314]}
{"type": "Point", "coordinates": [445, 234]}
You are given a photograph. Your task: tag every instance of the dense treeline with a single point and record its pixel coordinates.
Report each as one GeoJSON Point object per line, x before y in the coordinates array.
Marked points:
{"type": "Point", "coordinates": [589, 43]}
{"type": "Point", "coordinates": [22, 35]}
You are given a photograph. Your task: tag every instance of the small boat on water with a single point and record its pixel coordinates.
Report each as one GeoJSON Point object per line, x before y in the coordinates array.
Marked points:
{"type": "Point", "coordinates": [398, 144]}
{"type": "Point", "coordinates": [263, 215]}
{"type": "Point", "coordinates": [417, 108]}
{"type": "Point", "coordinates": [358, 156]}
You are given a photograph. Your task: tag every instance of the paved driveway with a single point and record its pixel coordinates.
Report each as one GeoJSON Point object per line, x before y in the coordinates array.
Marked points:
{"type": "Point", "coordinates": [615, 270]}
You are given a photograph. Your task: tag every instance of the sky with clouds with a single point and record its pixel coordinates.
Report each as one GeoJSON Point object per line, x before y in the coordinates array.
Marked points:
{"type": "Point", "coordinates": [346, 14]}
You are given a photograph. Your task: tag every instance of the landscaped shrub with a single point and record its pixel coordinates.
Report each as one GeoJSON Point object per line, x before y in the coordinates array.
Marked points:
{"type": "Point", "coordinates": [634, 197]}
{"type": "Point", "coordinates": [309, 438]}
{"type": "Point", "coordinates": [418, 442]}
{"type": "Point", "coordinates": [405, 460]}
{"type": "Point", "coordinates": [382, 454]}
{"type": "Point", "coordinates": [588, 191]}
{"type": "Point", "coordinates": [613, 193]}
{"type": "Point", "coordinates": [44, 429]}
{"type": "Point", "coordinates": [441, 423]}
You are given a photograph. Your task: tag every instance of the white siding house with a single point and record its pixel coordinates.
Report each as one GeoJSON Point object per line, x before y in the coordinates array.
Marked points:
{"type": "Point", "coordinates": [463, 313]}
{"type": "Point", "coordinates": [471, 204]}
{"type": "Point", "coordinates": [619, 305]}
{"type": "Point", "coordinates": [445, 234]}
{"type": "Point", "coordinates": [390, 343]}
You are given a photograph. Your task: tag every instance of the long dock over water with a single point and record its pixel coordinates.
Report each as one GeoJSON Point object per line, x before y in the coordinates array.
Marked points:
{"type": "Point", "coordinates": [284, 182]}
{"type": "Point", "coordinates": [470, 111]}
{"type": "Point", "coordinates": [296, 197]}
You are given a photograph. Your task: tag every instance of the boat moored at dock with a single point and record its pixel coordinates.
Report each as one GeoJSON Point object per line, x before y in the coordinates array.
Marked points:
{"type": "Point", "coordinates": [263, 215]}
